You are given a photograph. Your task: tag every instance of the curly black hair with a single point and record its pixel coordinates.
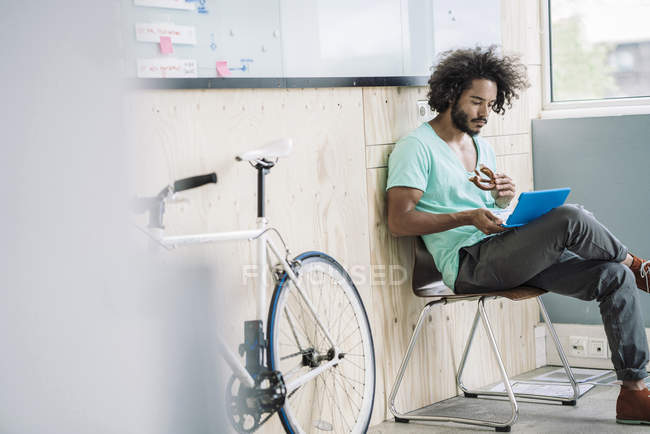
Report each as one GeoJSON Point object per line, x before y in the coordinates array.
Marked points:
{"type": "Point", "coordinates": [457, 68]}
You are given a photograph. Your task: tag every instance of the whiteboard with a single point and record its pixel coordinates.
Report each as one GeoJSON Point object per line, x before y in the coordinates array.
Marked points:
{"type": "Point", "coordinates": [462, 24]}
{"type": "Point", "coordinates": [300, 38]}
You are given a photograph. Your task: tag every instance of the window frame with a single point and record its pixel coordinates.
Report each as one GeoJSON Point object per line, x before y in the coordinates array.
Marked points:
{"type": "Point", "coordinates": [567, 109]}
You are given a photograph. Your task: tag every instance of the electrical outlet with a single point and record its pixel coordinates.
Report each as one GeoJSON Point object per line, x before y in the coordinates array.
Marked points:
{"type": "Point", "coordinates": [424, 111]}
{"type": "Point", "coordinates": [578, 346]}
{"type": "Point", "coordinates": [598, 348]}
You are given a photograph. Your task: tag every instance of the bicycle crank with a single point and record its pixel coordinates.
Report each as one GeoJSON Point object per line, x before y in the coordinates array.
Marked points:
{"type": "Point", "coordinates": [249, 408]}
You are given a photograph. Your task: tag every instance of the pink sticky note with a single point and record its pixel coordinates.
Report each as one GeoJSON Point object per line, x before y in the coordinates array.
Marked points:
{"type": "Point", "coordinates": [166, 46]}
{"type": "Point", "coordinates": [222, 69]}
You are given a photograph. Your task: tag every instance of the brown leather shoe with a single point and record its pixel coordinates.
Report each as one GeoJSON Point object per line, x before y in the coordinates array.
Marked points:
{"type": "Point", "coordinates": [633, 407]}
{"type": "Point", "coordinates": [641, 270]}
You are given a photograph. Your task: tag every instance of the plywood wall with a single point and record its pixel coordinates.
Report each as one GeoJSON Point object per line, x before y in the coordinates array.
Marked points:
{"type": "Point", "coordinates": [315, 197]}
{"type": "Point", "coordinates": [329, 195]}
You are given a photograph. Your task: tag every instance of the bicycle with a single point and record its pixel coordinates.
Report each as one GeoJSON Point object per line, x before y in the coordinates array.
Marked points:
{"type": "Point", "coordinates": [318, 347]}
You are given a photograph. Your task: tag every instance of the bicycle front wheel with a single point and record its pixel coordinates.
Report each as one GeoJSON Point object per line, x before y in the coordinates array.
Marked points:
{"type": "Point", "coordinates": [340, 398]}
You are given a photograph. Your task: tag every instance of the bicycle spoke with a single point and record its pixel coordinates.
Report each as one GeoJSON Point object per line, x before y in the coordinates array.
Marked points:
{"type": "Point", "coordinates": [348, 393]}
{"type": "Point", "coordinates": [351, 403]}
{"type": "Point", "coordinates": [341, 411]}
{"type": "Point", "coordinates": [320, 297]}
{"type": "Point", "coordinates": [322, 396]}
{"type": "Point", "coordinates": [297, 395]}
{"type": "Point", "coordinates": [338, 342]}
{"type": "Point", "coordinates": [291, 322]}
{"type": "Point", "coordinates": [340, 321]}
{"type": "Point", "coordinates": [301, 323]}
{"type": "Point", "coordinates": [351, 362]}
{"type": "Point", "coordinates": [350, 379]}
{"type": "Point", "coordinates": [353, 347]}
{"type": "Point", "coordinates": [290, 356]}
{"type": "Point", "coordinates": [308, 314]}
{"type": "Point", "coordinates": [338, 336]}
{"type": "Point", "coordinates": [354, 355]}
{"type": "Point", "coordinates": [282, 344]}
{"type": "Point", "coordinates": [335, 398]}
{"type": "Point", "coordinates": [348, 337]}
{"type": "Point", "coordinates": [289, 339]}
{"type": "Point", "coordinates": [317, 310]}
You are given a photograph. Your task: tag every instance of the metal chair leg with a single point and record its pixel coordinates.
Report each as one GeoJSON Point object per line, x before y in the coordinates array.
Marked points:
{"type": "Point", "coordinates": [572, 400]}
{"type": "Point", "coordinates": [407, 358]}
{"type": "Point", "coordinates": [504, 375]}
{"type": "Point", "coordinates": [482, 314]}
{"type": "Point", "coordinates": [463, 359]}
{"type": "Point", "coordinates": [499, 426]}
{"type": "Point", "coordinates": [565, 362]}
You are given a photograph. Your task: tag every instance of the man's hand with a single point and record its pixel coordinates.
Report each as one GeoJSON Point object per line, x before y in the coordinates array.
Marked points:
{"type": "Point", "coordinates": [485, 221]}
{"type": "Point", "coordinates": [504, 191]}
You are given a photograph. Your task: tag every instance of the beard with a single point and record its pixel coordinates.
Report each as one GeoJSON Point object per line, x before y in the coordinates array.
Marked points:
{"type": "Point", "coordinates": [461, 120]}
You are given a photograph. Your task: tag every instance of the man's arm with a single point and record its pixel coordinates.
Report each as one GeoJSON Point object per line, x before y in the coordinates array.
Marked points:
{"type": "Point", "coordinates": [403, 219]}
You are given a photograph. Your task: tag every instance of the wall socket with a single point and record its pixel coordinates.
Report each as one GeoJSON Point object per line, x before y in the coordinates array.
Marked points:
{"type": "Point", "coordinates": [598, 348]}
{"type": "Point", "coordinates": [583, 346]}
{"type": "Point", "coordinates": [425, 113]}
{"type": "Point", "coordinates": [578, 346]}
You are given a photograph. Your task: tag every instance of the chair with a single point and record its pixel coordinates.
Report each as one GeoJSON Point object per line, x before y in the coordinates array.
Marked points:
{"type": "Point", "coordinates": [427, 282]}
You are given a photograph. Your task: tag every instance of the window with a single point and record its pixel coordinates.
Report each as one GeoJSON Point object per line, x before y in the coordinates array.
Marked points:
{"type": "Point", "coordinates": [598, 50]}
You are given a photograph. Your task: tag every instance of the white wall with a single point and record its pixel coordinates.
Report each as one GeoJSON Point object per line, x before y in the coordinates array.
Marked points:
{"type": "Point", "coordinates": [93, 337]}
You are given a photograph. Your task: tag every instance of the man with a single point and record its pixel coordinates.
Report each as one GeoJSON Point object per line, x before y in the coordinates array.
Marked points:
{"type": "Point", "coordinates": [566, 251]}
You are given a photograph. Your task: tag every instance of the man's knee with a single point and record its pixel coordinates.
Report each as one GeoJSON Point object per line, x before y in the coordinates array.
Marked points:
{"type": "Point", "coordinates": [616, 280]}
{"type": "Point", "coordinates": [571, 217]}
{"type": "Point", "coordinates": [572, 212]}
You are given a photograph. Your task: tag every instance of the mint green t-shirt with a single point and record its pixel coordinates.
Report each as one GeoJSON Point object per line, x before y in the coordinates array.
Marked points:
{"type": "Point", "coordinates": [424, 161]}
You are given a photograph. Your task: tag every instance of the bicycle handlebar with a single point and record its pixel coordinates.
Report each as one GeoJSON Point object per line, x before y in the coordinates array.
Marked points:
{"type": "Point", "coordinates": [156, 205]}
{"type": "Point", "coordinates": [195, 181]}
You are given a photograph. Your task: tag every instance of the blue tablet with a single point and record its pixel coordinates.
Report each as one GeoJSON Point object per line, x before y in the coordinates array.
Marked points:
{"type": "Point", "coordinates": [532, 205]}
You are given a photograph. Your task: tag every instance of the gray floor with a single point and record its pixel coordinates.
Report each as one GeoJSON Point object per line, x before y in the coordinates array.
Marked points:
{"type": "Point", "coordinates": [595, 413]}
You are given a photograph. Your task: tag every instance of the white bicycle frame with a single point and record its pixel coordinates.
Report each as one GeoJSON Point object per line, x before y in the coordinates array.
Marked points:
{"type": "Point", "coordinates": [259, 235]}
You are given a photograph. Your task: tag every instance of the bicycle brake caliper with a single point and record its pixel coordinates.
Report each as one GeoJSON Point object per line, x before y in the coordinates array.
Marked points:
{"type": "Point", "coordinates": [296, 265]}
{"type": "Point", "coordinates": [278, 269]}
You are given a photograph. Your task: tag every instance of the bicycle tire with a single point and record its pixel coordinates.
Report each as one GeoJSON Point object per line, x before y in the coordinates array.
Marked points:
{"type": "Point", "coordinates": [353, 379]}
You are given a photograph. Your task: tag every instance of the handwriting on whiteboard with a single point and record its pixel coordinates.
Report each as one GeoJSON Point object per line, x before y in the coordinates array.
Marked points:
{"type": "Point", "coordinates": [165, 67]}
{"type": "Point", "coordinates": [151, 32]}
{"type": "Point", "coordinates": [169, 4]}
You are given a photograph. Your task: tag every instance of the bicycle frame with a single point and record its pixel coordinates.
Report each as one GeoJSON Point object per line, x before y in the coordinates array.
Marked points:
{"type": "Point", "coordinates": [263, 243]}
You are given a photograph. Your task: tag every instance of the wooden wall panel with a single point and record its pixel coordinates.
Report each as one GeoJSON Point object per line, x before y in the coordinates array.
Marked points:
{"type": "Point", "coordinates": [512, 144]}
{"type": "Point", "coordinates": [535, 91]}
{"type": "Point", "coordinates": [390, 112]}
{"type": "Point", "coordinates": [520, 29]}
{"type": "Point", "coordinates": [377, 156]}
{"type": "Point", "coordinates": [520, 168]}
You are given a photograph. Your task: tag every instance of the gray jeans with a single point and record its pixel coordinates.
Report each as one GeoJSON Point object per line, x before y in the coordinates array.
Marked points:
{"type": "Point", "coordinates": [566, 251]}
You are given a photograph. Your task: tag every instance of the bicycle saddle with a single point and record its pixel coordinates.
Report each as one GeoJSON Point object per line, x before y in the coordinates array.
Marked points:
{"type": "Point", "coordinates": [272, 150]}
